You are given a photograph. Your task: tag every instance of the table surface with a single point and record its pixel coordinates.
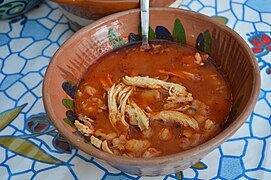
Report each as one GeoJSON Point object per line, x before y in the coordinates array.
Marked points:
{"type": "Point", "coordinates": [30, 147]}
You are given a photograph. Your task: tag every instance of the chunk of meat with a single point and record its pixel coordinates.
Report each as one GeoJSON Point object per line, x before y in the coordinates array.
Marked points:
{"type": "Point", "coordinates": [176, 96]}
{"type": "Point", "coordinates": [93, 105]}
{"type": "Point", "coordinates": [85, 130]}
{"type": "Point", "coordinates": [200, 107]}
{"type": "Point", "coordinates": [151, 152]}
{"type": "Point", "coordinates": [89, 90]}
{"type": "Point", "coordinates": [147, 133]}
{"type": "Point", "coordinates": [197, 109]}
{"type": "Point", "coordinates": [118, 145]}
{"type": "Point", "coordinates": [137, 116]}
{"type": "Point", "coordinates": [178, 117]}
{"type": "Point", "coordinates": [188, 139]}
{"type": "Point", "coordinates": [117, 99]}
{"type": "Point", "coordinates": [119, 142]}
{"type": "Point", "coordinates": [165, 134]}
{"type": "Point", "coordinates": [137, 146]}
{"type": "Point", "coordinates": [208, 124]}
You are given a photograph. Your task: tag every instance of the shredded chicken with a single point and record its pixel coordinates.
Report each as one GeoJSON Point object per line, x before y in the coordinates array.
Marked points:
{"type": "Point", "coordinates": [177, 92]}
{"type": "Point", "coordinates": [180, 107]}
{"type": "Point", "coordinates": [85, 130]}
{"type": "Point", "coordinates": [86, 120]}
{"type": "Point", "coordinates": [183, 108]}
{"type": "Point", "coordinates": [178, 117]}
{"type": "Point", "coordinates": [106, 82]}
{"type": "Point", "coordinates": [137, 116]}
{"type": "Point", "coordinates": [183, 74]}
{"type": "Point", "coordinates": [147, 82]}
{"type": "Point", "coordinates": [117, 99]}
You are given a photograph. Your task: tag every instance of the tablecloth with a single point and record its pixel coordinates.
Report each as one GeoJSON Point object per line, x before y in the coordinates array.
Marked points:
{"type": "Point", "coordinates": [31, 148]}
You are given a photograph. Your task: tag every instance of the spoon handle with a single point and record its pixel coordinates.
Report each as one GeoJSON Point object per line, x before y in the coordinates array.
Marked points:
{"type": "Point", "coordinates": [144, 9]}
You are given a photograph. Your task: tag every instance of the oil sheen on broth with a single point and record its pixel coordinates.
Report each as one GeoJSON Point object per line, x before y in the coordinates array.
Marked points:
{"type": "Point", "coordinates": [145, 104]}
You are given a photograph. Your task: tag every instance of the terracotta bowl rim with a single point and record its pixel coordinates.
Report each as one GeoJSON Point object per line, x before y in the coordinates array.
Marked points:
{"type": "Point", "coordinates": [196, 152]}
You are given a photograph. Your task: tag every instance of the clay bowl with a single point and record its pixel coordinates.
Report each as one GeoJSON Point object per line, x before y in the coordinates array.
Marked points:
{"type": "Point", "coordinates": [84, 12]}
{"type": "Point", "coordinates": [227, 48]}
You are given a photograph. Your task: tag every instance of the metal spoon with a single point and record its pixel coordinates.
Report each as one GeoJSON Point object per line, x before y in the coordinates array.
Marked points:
{"type": "Point", "coordinates": [144, 12]}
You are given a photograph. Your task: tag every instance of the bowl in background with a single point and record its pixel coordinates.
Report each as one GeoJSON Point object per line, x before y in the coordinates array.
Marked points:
{"type": "Point", "coordinates": [84, 12]}
{"type": "Point", "coordinates": [227, 48]}
{"type": "Point", "coordinates": [13, 8]}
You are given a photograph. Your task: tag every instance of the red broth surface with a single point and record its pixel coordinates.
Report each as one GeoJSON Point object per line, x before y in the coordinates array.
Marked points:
{"type": "Point", "coordinates": [169, 62]}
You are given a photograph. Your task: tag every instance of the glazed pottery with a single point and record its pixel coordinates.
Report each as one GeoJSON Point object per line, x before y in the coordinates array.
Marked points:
{"type": "Point", "coordinates": [228, 49]}
{"type": "Point", "coordinates": [84, 12]}
{"type": "Point", "coordinates": [13, 8]}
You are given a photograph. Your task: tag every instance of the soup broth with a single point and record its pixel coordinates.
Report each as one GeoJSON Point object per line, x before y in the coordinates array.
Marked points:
{"type": "Point", "coordinates": [138, 103]}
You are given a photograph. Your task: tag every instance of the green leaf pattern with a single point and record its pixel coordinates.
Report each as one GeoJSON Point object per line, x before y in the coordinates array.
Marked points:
{"type": "Point", "coordinates": [152, 35]}
{"type": "Point", "coordinates": [221, 19]}
{"type": "Point", "coordinates": [68, 121]}
{"type": "Point", "coordinates": [199, 165]}
{"type": "Point", "coordinates": [21, 145]}
{"type": "Point", "coordinates": [207, 41]}
{"type": "Point", "coordinates": [179, 32]}
{"type": "Point", "coordinates": [114, 39]}
{"type": "Point", "coordinates": [9, 116]}
{"type": "Point", "coordinates": [238, 103]}
{"type": "Point", "coordinates": [68, 103]}
{"type": "Point", "coordinates": [28, 149]}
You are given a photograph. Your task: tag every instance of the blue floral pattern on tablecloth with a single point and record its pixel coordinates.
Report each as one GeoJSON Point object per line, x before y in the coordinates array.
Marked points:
{"type": "Point", "coordinates": [27, 44]}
